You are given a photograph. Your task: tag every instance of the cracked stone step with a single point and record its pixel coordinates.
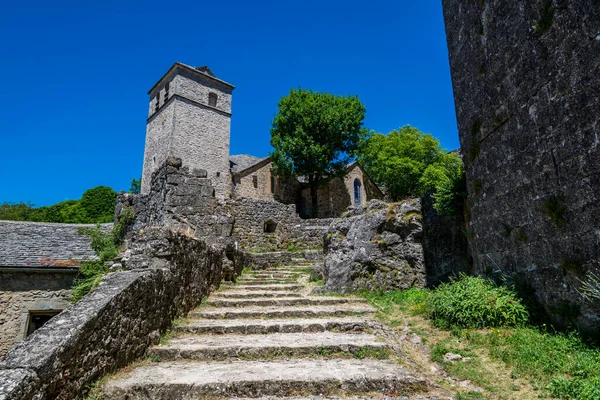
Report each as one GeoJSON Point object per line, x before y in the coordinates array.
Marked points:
{"type": "Point", "coordinates": [283, 311]}
{"type": "Point", "coordinates": [275, 286]}
{"type": "Point", "coordinates": [290, 301]}
{"type": "Point", "coordinates": [201, 347]}
{"type": "Point", "coordinates": [186, 380]}
{"type": "Point", "coordinates": [242, 294]}
{"type": "Point", "coordinates": [264, 326]}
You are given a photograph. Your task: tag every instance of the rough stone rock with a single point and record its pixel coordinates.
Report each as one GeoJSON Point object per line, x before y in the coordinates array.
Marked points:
{"type": "Point", "coordinates": [377, 247]}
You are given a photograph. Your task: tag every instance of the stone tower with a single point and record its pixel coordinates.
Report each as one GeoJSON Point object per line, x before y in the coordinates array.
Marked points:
{"type": "Point", "coordinates": [190, 118]}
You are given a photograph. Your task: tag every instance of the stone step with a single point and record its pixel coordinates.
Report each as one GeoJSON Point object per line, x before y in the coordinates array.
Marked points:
{"type": "Point", "coordinates": [179, 380]}
{"type": "Point", "coordinates": [243, 294]}
{"type": "Point", "coordinates": [283, 311]}
{"type": "Point", "coordinates": [202, 347]}
{"type": "Point", "coordinates": [276, 286]}
{"type": "Point", "coordinates": [278, 301]}
{"type": "Point", "coordinates": [246, 282]}
{"type": "Point", "coordinates": [264, 326]}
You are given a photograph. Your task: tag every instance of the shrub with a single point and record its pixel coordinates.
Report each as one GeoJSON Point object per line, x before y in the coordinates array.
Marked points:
{"type": "Point", "coordinates": [106, 246]}
{"type": "Point", "coordinates": [474, 302]}
{"type": "Point", "coordinates": [99, 204]}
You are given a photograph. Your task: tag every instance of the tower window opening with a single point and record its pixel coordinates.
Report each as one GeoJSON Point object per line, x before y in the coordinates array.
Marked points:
{"type": "Point", "coordinates": [357, 192]}
{"type": "Point", "coordinates": [212, 99]}
{"type": "Point", "coordinates": [157, 104]}
{"type": "Point", "coordinates": [272, 184]}
{"type": "Point", "coordinates": [255, 181]}
{"type": "Point", "coordinates": [167, 91]}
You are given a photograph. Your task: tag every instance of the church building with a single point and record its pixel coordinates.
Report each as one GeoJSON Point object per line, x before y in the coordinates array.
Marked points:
{"type": "Point", "coordinates": [190, 117]}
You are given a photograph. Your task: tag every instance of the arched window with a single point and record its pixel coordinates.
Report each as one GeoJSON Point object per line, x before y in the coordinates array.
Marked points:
{"type": "Point", "coordinates": [357, 192]}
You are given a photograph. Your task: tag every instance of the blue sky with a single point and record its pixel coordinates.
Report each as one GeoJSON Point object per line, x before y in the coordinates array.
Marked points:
{"type": "Point", "coordinates": [75, 76]}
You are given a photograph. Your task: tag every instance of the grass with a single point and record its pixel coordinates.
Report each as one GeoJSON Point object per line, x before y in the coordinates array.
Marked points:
{"type": "Point", "coordinates": [519, 362]}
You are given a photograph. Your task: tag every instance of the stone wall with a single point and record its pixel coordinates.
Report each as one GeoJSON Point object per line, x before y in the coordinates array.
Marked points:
{"type": "Point", "coordinates": [180, 198]}
{"type": "Point", "coordinates": [117, 322]}
{"type": "Point", "coordinates": [23, 292]}
{"type": "Point", "coordinates": [527, 93]}
{"type": "Point", "coordinates": [255, 183]}
{"type": "Point", "coordinates": [445, 245]}
{"type": "Point", "coordinates": [251, 218]}
{"type": "Point", "coordinates": [258, 261]}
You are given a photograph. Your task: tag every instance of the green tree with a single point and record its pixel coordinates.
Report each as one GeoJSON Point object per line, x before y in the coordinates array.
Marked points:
{"type": "Point", "coordinates": [15, 211]}
{"type": "Point", "coordinates": [315, 135]}
{"type": "Point", "coordinates": [408, 162]}
{"type": "Point", "coordinates": [98, 204]}
{"type": "Point", "coordinates": [136, 186]}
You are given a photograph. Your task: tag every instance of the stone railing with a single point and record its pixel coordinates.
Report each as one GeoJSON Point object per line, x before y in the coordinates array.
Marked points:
{"type": "Point", "coordinates": [169, 274]}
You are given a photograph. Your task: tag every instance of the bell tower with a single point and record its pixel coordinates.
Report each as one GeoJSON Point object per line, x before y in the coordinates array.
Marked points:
{"type": "Point", "coordinates": [190, 118]}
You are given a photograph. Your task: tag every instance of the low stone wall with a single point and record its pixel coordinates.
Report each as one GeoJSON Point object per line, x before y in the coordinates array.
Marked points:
{"type": "Point", "coordinates": [117, 322]}
{"type": "Point", "coordinates": [251, 217]}
{"type": "Point", "coordinates": [258, 261]}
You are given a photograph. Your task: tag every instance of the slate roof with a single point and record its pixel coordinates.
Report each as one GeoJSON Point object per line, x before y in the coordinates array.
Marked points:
{"type": "Point", "coordinates": [39, 245]}
{"type": "Point", "coordinates": [241, 162]}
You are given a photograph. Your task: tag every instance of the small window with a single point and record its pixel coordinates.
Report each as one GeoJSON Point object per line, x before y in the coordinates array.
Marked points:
{"type": "Point", "coordinates": [357, 192]}
{"type": "Point", "coordinates": [37, 319]}
{"type": "Point", "coordinates": [218, 174]}
{"type": "Point", "coordinates": [255, 181]}
{"type": "Point", "coordinates": [167, 91]}
{"type": "Point", "coordinates": [157, 105]}
{"type": "Point", "coordinates": [272, 184]}
{"type": "Point", "coordinates": [212, 99]}
{"type": "Point", "coordinates": [270, 226]}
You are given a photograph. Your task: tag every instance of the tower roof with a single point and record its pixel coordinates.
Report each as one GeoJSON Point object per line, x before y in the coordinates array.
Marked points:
{"type": "Point", "coordinates": [202, 70]}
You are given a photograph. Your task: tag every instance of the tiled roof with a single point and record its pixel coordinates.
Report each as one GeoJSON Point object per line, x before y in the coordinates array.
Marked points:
{"type": "Point", "coordinates": [44, 245]}
{"type": "Point", "coordinates": [241, 162]}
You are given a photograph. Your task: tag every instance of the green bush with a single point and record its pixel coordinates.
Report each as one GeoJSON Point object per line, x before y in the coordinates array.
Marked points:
{"type": "Point", "coordinates": [474, 302]}
{"type": "Point", "coordinates": [106, 245]}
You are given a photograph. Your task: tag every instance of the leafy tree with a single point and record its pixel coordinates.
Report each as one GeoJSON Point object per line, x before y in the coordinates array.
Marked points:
{"type": "Point", "coordinates": [15, 212]}
{"type": "Point", "coordinates": [408, 162]}
{"type": "Point", "coordinates": [136, 186]}
{"type": "Point", "coordinates": [315, 135]}
{"type": "Point", "coordinates": [98, 204]}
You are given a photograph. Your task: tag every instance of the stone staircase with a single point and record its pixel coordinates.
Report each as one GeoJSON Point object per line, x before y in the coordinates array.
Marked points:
{"type": "Point", "coordinates": [267, 337]}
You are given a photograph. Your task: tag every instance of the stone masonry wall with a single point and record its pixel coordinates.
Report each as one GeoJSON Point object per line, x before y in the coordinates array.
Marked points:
{"type": "Point", "coordinates": [115, 324]}
{"type": "Point", "coordinates": [180, 198]}
{"type": "Point", "coordinates": [22, 292]}
{"type": "Point", "coordinates": [526, 78]}
{"type": "Point", "coordinates": [284, 191]}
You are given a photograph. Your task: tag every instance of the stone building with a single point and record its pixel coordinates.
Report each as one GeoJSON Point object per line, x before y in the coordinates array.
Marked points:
{"type": "Point", "coordinates": [38, 263]}
{"type": "Point", "coordinates": [252, 178]}
{"type": "Point", "coordinates": [189, 118]}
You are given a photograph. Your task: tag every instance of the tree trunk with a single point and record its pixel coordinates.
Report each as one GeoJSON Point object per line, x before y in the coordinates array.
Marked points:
{"type": "Point", "coordinates": [313, 183]}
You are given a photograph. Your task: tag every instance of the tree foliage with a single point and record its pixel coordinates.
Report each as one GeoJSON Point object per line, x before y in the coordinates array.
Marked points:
{"type": "Point", "coordinates": [96, 206]}
{"type": "Point", "coordinates": [136, 186]}
{"type": "Point", "coordinates": [315, 135]}
{"type": "Point", "coordinates": [408, 162]}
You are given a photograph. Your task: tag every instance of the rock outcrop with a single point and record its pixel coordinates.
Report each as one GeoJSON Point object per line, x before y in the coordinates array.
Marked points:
{"type": "Point", "coordinates": [377, 247]}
